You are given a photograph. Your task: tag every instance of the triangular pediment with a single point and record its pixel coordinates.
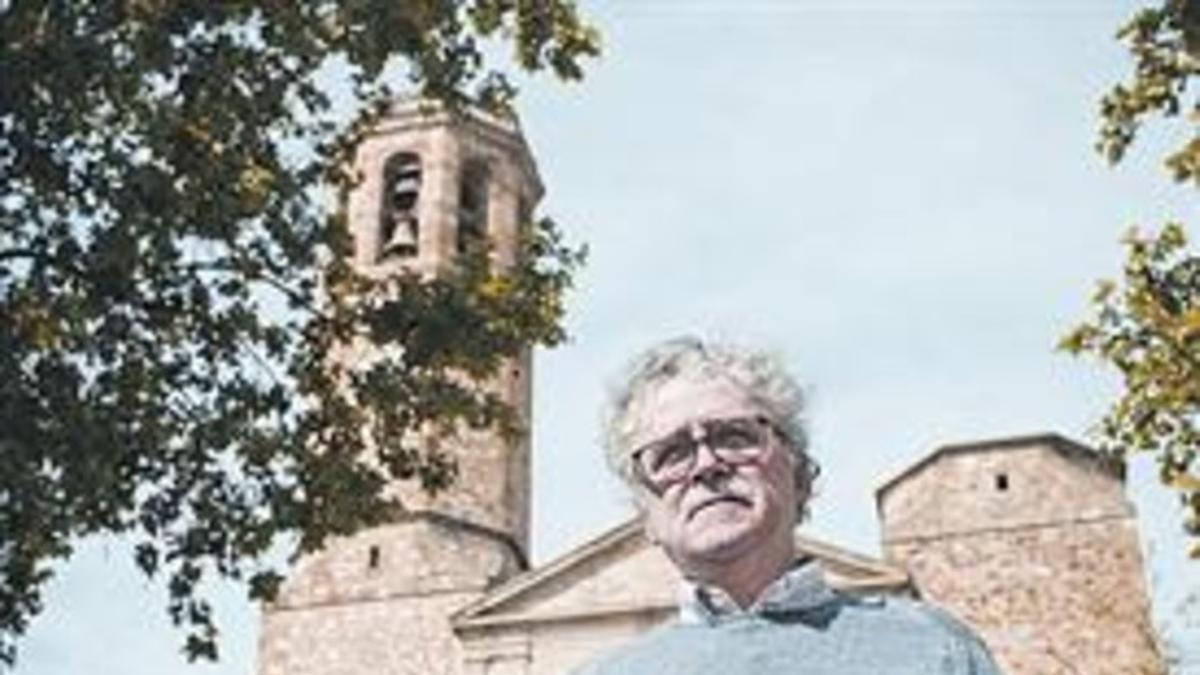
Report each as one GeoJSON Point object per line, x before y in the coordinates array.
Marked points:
{"type": "Point", "coordinates": [620, 572]}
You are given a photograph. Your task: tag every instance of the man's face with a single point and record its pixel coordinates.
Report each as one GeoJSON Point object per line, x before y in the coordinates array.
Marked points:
{"type": "Point", "coordinates": [719, 512]}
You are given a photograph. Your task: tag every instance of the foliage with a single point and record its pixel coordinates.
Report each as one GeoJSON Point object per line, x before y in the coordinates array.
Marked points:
{"type": "Point", "coordinates": [1149, 329]}
{"type": "Point", "coordinates": [1148, 326]}
{"type": "Point", "coordinates": [171, 280]}
{"type": "Point", "coordinates": [1164, 43]}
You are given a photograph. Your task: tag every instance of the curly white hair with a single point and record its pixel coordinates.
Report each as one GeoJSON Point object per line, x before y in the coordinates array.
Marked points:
{"type": "Point", "coordinates": [759, 373]}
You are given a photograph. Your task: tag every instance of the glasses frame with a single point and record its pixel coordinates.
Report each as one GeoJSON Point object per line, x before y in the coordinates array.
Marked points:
{"type": "Point", "coordinates": [727, 457]}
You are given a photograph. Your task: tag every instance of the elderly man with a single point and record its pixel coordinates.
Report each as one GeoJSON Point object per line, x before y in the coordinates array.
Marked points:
{"type": "Point", "coordinates": [711, 439]}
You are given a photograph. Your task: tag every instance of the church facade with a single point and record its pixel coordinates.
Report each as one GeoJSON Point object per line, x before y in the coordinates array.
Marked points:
{"type": "Point", "coordinates": [1030, 540]}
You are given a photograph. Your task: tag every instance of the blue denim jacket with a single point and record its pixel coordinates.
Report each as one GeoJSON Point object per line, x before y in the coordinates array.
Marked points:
{"type": "Point", "coordinates": [800, 626]}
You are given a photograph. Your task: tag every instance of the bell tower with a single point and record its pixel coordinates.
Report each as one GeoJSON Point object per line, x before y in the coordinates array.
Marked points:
{"type": "Point", "coordinates": [379, 602]}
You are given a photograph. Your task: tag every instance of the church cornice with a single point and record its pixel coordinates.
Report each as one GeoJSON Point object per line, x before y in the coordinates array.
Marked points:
{"type": "Point", "coordinates": [1062, 444]}
{"type": "Point", "coordinates": [849, 571]}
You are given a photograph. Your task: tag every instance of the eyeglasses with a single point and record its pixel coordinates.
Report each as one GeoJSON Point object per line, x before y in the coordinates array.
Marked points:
{"type": "Point", "coordinates": [734, 441]}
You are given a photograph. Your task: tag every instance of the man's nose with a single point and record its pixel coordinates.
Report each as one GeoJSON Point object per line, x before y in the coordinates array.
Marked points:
{"type": "Point", "coordinates": [707, 463]}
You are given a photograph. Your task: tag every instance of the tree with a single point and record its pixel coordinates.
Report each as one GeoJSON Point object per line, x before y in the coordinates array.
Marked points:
{"type": "Point", "coordinates": [171, 279]}
{"type": "Point", "coordinates": [1148, 325]}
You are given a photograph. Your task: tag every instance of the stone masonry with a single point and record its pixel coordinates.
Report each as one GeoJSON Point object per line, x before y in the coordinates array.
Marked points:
{"type": "Point", "coordinates": [1031, 541]}
{"type": "Point", "coordinates": [378, 602]}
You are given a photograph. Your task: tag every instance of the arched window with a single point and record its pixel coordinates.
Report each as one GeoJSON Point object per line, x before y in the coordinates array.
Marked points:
{"type": "Point", "coordinates": [399, 229]}
{"type": "Point", "coordinates": [472, 203]}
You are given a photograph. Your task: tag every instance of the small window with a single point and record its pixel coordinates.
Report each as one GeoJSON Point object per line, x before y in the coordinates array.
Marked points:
{"type": "Point", "coordinates": [399, 229]}
{"type": "Point", "coordinates": [373, 558]}
{"type": "Point", "coordinates": [1002, 482]}
{"type": "Point", "coordinates": [472, 204]}
{"type": "Point", "coordinates": [525, 224]}
{"type": "Point", "coordinates": [524, 212]}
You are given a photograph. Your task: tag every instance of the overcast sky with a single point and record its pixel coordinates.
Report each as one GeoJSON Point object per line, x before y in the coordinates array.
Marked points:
{"type": "Point", "coordinates": [900, 196]}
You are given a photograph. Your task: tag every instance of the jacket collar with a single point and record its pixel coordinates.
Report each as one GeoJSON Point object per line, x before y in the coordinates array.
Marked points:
{"type": "Point", "coordinates": [801, 587]}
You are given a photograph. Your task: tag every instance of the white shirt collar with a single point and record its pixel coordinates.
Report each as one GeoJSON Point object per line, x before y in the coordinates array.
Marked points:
{"type": "Point", "coordinates": [801, 587]}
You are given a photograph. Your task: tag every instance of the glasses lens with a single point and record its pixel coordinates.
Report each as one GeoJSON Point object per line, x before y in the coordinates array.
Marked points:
{"type": "Point", "coordinates": [735, 441]}
{"type": "Point", "coordinates": [736, 435]}
{"type": "Point", "coordinates": [668, 458]}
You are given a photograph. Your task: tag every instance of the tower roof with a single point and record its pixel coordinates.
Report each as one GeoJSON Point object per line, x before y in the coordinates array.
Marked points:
{"type": "Point", "coordinates": [1067, 447]}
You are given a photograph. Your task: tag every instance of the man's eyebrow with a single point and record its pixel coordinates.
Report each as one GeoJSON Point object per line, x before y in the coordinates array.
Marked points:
{"type": "Point", "coordinates": [684, 431]}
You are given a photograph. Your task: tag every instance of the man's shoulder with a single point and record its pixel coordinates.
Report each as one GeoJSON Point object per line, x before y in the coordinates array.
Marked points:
{"type": "Point", "coordinates": [909, 611]}
{"type": "Point", "coordinates": [849, 633]}
{"type": "Point", "coordinates": [910, 618]}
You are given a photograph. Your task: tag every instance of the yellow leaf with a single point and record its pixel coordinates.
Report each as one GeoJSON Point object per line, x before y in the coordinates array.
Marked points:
{"type": "Point", "coordinates": [1104, 289]}
{"type": "Point", "coordinates": [1186, 482]}
{"type": "Point", "coordinates": [495, 287]}
{"type": "Point", "coordinates": [254, 186]}
{"type": "Point", "coordinates": [1189, 324]}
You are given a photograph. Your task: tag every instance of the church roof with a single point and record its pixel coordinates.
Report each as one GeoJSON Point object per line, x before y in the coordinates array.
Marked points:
{"type": "Point", "coordinates": [620, 572]}
{"type": "Point", "coordinates": [1067, 447]}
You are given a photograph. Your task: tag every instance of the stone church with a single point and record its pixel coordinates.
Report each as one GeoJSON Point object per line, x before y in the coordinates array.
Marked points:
{"type": "Point", "coordinates": [1030, 540]}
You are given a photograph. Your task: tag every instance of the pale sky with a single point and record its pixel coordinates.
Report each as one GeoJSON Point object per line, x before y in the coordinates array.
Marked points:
{"type": "Point", "coordinates": [899, 196]}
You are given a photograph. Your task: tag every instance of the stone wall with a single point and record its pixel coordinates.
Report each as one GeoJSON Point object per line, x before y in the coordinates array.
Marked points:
{"type": "Point", "coordinates": [400, 635]}
{"type": "Point", "coordinates": [1055, 599]}
{"type": "Point", "coordinates": [964, 491]}
{"type": "Point", "coordinates": [1044, 562]}
{"type": "Point", "coordinates": [494, 473]}
{"type": "Point", "coordinates": [379, 602]}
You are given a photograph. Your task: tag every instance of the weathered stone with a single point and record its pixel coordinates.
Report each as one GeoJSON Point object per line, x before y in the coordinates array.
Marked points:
{"type": "Point", "coordinates": [379, 602]}
{"type": "Point", "coordinates": [1032, 542]}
